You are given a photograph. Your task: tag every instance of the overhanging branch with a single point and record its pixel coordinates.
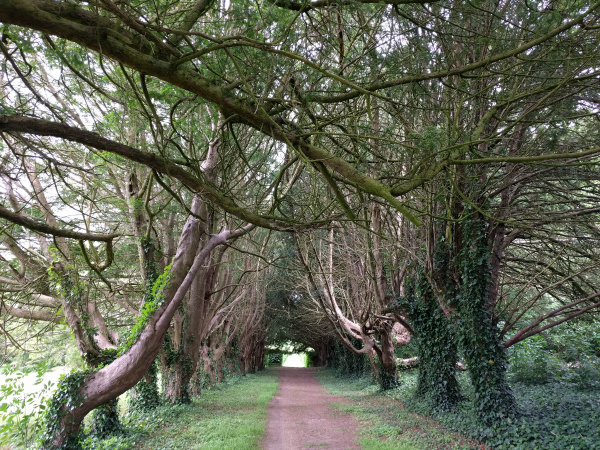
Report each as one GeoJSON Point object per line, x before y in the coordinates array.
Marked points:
{"type": "Point", "coordinates": [33, 225]}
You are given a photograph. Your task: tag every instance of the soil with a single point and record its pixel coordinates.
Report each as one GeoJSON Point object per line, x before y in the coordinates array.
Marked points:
{"type": "Point", "coordinates": [300, 415]}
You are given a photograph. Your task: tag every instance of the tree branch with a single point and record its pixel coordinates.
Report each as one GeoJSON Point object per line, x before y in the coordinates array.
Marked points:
{"type": "Point", "coordinates": [33, 225]}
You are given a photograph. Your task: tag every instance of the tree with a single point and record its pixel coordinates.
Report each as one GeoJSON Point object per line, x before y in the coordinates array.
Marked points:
{"type": "Point", "coordinates": [372, 102]}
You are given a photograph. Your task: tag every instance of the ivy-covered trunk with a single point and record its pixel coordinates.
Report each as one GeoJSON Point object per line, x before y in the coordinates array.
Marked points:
{"type": "Point", "coordinates": [176, 384]}
{"type": "Point", "coordinates": [484, 353]}
{"type": "Point", "coordinates": [105, 419]}
{"type": "Point", "coordinates": [176, 370]}
{"type": "Point", "coordinates": [437, 349]}
{"type": "Point", "coordinates": [182, 351]}
{"type": "Point", "coordinates": [96, 345]}
{"type": "Point", "coordinates": [144, 395]}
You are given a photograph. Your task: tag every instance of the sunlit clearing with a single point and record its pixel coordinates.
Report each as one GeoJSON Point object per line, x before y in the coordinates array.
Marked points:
{"type": "Point", "coordinates": [295, 360]}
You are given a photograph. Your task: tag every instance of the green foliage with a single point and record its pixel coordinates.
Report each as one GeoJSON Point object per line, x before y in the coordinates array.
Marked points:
{"type": "Point", "coordinates": [136, 426]}
{"type": "Point", "coordinates": [407, 351]}
{"type": "Point", "coordinates": [554, 416]}
{"type": "Point", "coordinates": [66, 397]}
{"type": "Point", "coordinates": [105, 419]}
{"type": "Point", "coordinates": [348, 364]}
{"type": "Point", "coordinates": [586, 372]}
{"type": "Point", "coordinates": [145, 396]}
{"type": "Point", "coordinates": [230, 416]}
{"type": "Point", "coordinates": [469, 327]}
{"type": "Point", "coordinates": [311, 358]}
{"type": "Point", "coordinates": [273, 358]}
{"type": "Point", "coordinates": [531, 363]}
{"type": "Point", "coordinates": [477, 336]}
{"type": "Point", "coordinates": [117, 442]}
{"type": "Point", "coordinates": [151, 304]}
{"type": "Point", "coordinates": [201, 380]}
{"type": "Point", "coordinates": [537, 361]}
{"type": "Point", "coordinates": [19, 409]}
{"type": "Point", "coordinates": [437, 348]}
{"type": "Point", "coordinates": [176, 366]}
{"type": "Point", "coordinates": [386, 379]}
{"type": "Point", "coordinates": [385, 423]}
{"type": "Point", "coordinates": [66, 282]}
{"type": "Point", "coordinates": [573, 342]}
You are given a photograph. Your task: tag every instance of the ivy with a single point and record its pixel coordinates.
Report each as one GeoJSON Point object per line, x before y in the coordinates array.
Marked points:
{"type": "Point", "coordinates": [461, 272]}
{"type": "Point", "coordinates": [66, 397]}
{"type": "Point", "coordinates": [386, 379]}
{"type": "Point", "coordinates": [437, 346]}
{"type": "Point", "coordinates": [348, 364]}
{"type": "Point", "coordinates": [105, 419]}
{"type": "Point", "coordinates": [175, 361]}
{"type": "Point", "coordinates": [477, 335]}
{"type": "Point", "coordinates": [144, 396]}
{"type": "Point", "coordinates": [153, 301]}
{"type": "Point", "coordinates": [74, 293]}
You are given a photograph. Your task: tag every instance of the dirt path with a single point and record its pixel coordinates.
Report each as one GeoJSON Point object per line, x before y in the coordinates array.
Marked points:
{"type": "Point", "coordinates": [300, 416]}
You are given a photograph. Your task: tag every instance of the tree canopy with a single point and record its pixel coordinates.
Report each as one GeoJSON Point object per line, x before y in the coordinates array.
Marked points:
{"type": "Point", "coordinates": [431, 163]}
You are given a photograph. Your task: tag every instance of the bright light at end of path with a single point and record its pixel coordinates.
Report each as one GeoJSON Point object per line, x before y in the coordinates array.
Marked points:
{"type": "Point", "coordinates": [295, 360]}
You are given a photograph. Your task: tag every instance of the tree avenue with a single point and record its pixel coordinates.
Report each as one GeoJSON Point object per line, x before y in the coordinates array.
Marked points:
{"type": "Point", "coordinates": [186, 182]}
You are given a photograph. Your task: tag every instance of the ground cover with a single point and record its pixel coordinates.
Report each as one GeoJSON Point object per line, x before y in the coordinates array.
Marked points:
{"type": "Point", "coordinates": [385, 423]}
{"type": "Point", "coordinates": [554, 415]}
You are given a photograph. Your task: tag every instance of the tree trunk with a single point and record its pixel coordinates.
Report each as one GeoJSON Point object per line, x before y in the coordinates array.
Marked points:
{"type": "Point", "coordinates": [437, 347]}
{"type": "Point", "coordinates": [388, 375]}
{"type": "Point", "coordinates": [82, 392]}
{"type": "Point", "coordinates": [484, 353]}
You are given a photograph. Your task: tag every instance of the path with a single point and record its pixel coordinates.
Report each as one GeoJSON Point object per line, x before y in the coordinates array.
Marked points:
{"type": "Point", "coordinates": [300, 416]}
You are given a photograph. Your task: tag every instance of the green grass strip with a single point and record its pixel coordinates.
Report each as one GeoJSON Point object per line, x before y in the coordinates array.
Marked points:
{"type": "Point", "coordinates": [226, 418]}
{"type": "Point", "coordinates": [385, 424]}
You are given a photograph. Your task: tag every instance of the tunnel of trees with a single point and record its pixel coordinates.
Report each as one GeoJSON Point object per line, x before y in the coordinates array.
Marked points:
{"type": "Point", "coordinates": [187, 183]}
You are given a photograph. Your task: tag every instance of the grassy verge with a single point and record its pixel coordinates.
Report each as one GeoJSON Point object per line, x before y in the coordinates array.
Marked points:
{"type": "Point", "coordinates": [231, 415]}
{"type": "Point", "coordinates": [228, 417]}
{"type": "Point", "coordinates": [386, 424]}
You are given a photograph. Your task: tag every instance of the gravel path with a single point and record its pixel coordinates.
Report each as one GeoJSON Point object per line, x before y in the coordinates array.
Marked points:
{"type": "Point", "coordinates": [300, 416]}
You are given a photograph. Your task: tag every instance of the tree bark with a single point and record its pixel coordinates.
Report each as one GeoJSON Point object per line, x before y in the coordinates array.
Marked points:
{"type": "Point", "coordinates": [107, 383]}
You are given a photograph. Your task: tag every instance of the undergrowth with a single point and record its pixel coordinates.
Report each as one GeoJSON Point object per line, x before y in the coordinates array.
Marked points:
{"type": "Point", "coordinates": [554, 415]}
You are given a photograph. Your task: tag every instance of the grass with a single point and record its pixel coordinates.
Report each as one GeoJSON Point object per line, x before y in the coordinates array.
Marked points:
{"type": "Point", "coordinates": [232, 417]}
{"type": "Point", "coordinates": [386, 424]}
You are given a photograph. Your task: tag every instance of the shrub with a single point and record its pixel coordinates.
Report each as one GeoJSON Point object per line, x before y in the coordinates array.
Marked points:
{"type": "Point", "coordinates": [531, 363]}
{"type": "Point", "coordinates": [274, 358]}
{"type": "Point", "coordinates": [19, 409]}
